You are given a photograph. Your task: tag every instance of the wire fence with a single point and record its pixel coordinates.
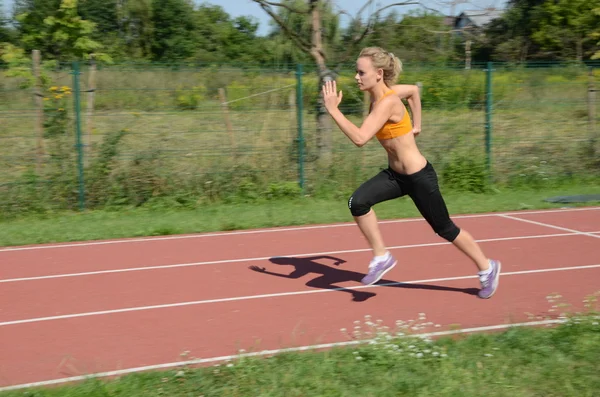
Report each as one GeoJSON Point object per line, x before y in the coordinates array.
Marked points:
{"type": "Point", "coordinates": [97, 136]}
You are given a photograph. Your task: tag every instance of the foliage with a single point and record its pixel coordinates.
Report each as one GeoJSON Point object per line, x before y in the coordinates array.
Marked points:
{"type": "Point", "coordinates": [18, 65]}
{"type": "Point", "coordinates": [152, 30]}
{"type": "Point", "coordinates": [563, 27]}
{"type": "Point", "coordinates": [63, 34]}
{"type": "Point", "coordinates": [550, 30]}
{"type": "Point", "coordinates": [6, 33]}
{"type": "Point", "coordinates": [595, 34]}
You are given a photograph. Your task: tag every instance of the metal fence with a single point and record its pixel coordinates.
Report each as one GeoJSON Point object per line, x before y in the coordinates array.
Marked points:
{"type": "Point", "coordinates": [102, 136]}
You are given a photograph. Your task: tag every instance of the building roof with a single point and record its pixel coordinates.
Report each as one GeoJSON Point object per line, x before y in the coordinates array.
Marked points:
{"type": "Point", "coordinates": [478, 17]}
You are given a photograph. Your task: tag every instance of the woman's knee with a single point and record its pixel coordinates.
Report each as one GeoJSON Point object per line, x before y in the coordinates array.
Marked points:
{"type": "Point", "coordinates": [448, 231]}
{"type": "Point", "coordinates": [358, 205]}
{"type": "Point", "coordinates": [380, 188]}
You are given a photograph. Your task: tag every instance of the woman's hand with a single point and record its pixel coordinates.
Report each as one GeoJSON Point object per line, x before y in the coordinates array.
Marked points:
{"type": "Point", "coordinates": [416, 131]}
{"type": "Point", "coordinates": [330, 96]}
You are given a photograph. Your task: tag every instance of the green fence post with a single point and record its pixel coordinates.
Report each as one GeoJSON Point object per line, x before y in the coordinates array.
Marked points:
{"type": "Point", "coordinates": [300, 138]}
{"type": "Point", "coordinates": [591, 101]}
{"type": "Point", "coordinates": [77, 107]}
{"type": "Point", "coordinates": [488, 120]}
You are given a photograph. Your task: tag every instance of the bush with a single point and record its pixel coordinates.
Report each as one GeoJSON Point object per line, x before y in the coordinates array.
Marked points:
{"type": "Point", "coordinates": [465, 173]}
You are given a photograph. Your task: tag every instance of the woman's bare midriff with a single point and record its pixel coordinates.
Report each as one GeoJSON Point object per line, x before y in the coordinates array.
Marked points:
{"type": "Point", "coordinates": [404, 156]}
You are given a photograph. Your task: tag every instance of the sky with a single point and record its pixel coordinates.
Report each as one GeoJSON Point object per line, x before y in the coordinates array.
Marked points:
{"type": "Point", "coordinates": [237, 8]}
{"type": "Point", "coordinates": [248, 7]}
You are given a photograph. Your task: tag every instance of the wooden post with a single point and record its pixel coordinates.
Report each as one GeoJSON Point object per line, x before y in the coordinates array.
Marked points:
{"type": "Point", "coordinates": [267, 119]}
{"type": "Point", "coordinates": [468, 55]}
{"type": "Point", "coordinates": [90, 105]}
{"type": "Point", "coordinates": [39, 102]}
{"type": "Point", "coordinates": [225, 108]}
{"type": "Point", "coordinates": [420, 85]}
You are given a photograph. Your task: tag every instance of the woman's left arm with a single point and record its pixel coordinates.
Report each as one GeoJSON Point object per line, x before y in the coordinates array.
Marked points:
{"type": "Point", "coordinates": [411, 94]}
{"type": "Point", "coordinates": [358, 135]}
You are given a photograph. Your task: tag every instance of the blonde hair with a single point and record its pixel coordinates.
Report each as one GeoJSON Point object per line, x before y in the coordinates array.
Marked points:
{"type": "Point", "coordinates": [391, 65]}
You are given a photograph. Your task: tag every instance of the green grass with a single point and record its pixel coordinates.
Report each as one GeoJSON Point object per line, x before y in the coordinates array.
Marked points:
{"type": "Point", "coordinates": [164, 220]}
{"type": "Point", "coordinates": [558, 361]}
{"type": "Point", "coordinates": [540, 132]}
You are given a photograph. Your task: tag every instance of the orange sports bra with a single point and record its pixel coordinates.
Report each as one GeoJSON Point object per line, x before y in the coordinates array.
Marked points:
{"type": "Point", "coordinates": [392, 130]}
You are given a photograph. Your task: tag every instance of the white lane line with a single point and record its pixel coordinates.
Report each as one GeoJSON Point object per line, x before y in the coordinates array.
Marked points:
{"type": "Point", "coordinates": [267, 353]}
{"type": "Point", "coordinates": [277, 295]}
{"type": "Point", "coordinates": [272, 230]}
{"type": "Point", "coordinates": [264, 258]}
{"type": "Point", "coordinates": [549, 226]}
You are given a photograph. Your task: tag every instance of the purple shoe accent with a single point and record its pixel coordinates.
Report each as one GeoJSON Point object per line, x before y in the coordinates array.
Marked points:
{"type": "Point", "coordinates": [489, 286]}
{"type": "Point", "coordinates": [378, 269]}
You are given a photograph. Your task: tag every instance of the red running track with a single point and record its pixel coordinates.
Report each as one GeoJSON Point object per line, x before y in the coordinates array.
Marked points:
{"type": "Point", "coordinates": [112, 307]}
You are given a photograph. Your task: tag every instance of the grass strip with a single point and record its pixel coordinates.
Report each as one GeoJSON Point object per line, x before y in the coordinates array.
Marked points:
{"type": "Point", "coordinates": [562, 360]}
{"type": "Point", "coordinates": [170, 220]}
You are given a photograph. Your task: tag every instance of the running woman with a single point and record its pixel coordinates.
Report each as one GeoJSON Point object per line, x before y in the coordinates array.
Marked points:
{"type": "Point", "coordinates": [408, 172]}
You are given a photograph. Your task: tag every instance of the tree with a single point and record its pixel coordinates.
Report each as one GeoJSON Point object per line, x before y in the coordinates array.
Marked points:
{"type": "Point", "coordinates": [240, 42]}
{"type": "Point", "coordinates": [311, 14]}
{"type": "Point", "coordinates": [557, 29]}
{"type": "Point", "coordinates": [118, 26]}
{"type": "Point", "coordinates": [61, 34]}
{"type": "Point", "coordinates": [508, 38]}
{"type": "Point", "coordinates": [124, 27]}
{"type": "Point", "coordinates": [563, 26]}
{"type": "Point", "coordinates": [29, 16]}
{"type": "Point", "coordinates": [103, 13]}
{"type": "Point", "coordinates": [221, 38]}
{"type": "Point", "coordinates": [421, 35]}
{"type": "Point", "coordinates": [295, 18]}
{"type": "Point", "coordinates": [136, 24]}
{"type": "Point", "coordinates": [595, 34]}
{"type": "Point", "coordinates": [174, 30]}
{"type": "Point", "coordinates": [6, 33]}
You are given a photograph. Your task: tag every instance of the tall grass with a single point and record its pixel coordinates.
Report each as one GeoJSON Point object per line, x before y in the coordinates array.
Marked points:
{"type": "Point", "coordinates": [162, 134]}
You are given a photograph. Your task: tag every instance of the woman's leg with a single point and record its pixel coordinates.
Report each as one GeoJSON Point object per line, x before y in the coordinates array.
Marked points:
{"type": "Point", "coordinates": [489, 270]}
{"type": "Point", "coordinates": [467, 244]}
{"type": "Point", "coordinates": [427, 197]}
{"type": "Point", "coordinates": [370, 229]}
{"type": "Point", "coordinates": [381, 187]}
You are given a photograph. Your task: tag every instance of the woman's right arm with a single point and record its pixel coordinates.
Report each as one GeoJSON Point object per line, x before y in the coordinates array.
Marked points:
{"type": "Point", "coordinates": [411, 94]}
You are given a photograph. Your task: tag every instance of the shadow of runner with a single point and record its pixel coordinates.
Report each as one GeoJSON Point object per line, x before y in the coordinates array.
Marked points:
{"type": "Point", "coordinates": [329, 276]}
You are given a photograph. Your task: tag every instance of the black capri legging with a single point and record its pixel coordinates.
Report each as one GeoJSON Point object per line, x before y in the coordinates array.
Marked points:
{"type": "Point", "coordinates": [423, 189]}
